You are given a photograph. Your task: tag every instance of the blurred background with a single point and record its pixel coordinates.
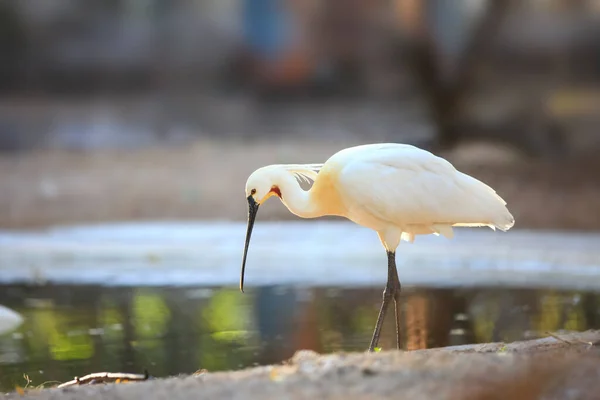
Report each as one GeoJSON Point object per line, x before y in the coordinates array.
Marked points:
{"type": "Point", "coordinates": [137, 109]}
{"type": "Point", "coordinates": [118, 111]}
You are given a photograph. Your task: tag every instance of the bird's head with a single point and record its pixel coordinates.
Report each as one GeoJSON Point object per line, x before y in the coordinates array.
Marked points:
{"type": "Point", "coordinates": [259, 187]}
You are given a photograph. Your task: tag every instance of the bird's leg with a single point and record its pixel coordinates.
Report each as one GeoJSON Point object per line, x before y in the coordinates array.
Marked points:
{"type": "Point", "coordinates": [397, 288]}
{"type": "Point", "coordinates": [392, 289]}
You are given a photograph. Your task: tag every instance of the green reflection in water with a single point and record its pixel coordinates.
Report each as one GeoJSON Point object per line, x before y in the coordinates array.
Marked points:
{"type": "Point", "coordinates": [60, 334]}
{"type": "Point", "coordinates": [551, 310]}
{"type": "Point", "coordinates": [112, 323]}
{"type": "Point", "coordinates": [575, 319]}
{"type": "Point", "coordinates": [488, 314]}
{"type": "Point", "coordinates": [150, 315]}
{"type": "Point", "coordinates": [76, 347]}
{"type": "Point", "coordinates": [227, 317]}
{"type": "Point", "coordinates": [226, 311]}
{"type": "Point", "coordinates": [363, 320]}
{"type": "Point", "coordinates": [230, 336]}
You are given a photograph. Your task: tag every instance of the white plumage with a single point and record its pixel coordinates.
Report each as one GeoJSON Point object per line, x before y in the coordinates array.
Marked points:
{"type": "Point", "coordinates": [402, 190]}
{"type": "Point", "coordinates": [398, 190]}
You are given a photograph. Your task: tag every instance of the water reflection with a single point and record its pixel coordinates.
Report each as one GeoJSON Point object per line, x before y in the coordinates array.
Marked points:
{"type": "Point", "coordinates": [75, 330]}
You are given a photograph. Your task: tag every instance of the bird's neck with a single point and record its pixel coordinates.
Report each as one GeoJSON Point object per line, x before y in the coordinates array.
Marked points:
{"type": "Point", "coordinates": [297, 200]}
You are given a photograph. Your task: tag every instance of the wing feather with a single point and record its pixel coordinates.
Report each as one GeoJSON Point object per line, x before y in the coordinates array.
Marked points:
{"type": "Point", "coordinates": [408, 187]}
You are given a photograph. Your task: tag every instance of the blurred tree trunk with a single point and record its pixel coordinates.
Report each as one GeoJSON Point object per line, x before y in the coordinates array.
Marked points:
{"type": "Point", "coordinates": [13, 46]}
{"type": "Point", "coordinates": [445, 93]}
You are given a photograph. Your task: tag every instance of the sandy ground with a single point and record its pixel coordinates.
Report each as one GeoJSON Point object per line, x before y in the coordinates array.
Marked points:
{"type": "Point", "coordinates": [547, 368]}
{"type": "Point", "coordinates": [206, 181]}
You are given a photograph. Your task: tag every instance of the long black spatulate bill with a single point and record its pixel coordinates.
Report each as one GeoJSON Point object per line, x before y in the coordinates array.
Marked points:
{"type": "Point", "coordinates": [252, 211]}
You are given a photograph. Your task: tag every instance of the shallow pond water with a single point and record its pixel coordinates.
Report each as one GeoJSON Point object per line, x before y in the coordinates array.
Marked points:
{"type": "Point", "coordinates": [73, 330]}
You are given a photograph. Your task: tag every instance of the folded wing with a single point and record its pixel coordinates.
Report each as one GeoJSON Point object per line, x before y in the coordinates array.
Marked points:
{"type": "Point", "coordinates": [418, 191]}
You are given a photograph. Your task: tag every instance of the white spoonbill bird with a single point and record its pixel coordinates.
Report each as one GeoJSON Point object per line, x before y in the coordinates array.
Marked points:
{"type": "Point", "coordinates": [397, 190]}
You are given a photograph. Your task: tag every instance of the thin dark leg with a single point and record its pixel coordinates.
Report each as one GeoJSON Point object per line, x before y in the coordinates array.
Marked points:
{"type": "Point", "coordinates": [397, 288]}
{"type": "Point", "coordinates": [387, 295]}
{"type": "Point", "coordinates": [392, 290]}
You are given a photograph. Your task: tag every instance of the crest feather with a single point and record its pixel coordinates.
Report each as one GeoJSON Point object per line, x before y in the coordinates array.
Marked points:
{"type": "Point", "coordinates": [304, 172]}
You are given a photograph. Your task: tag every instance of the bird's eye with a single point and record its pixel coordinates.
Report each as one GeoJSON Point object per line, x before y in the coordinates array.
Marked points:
{"type": "Point", "coordinates": [253, 192]}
